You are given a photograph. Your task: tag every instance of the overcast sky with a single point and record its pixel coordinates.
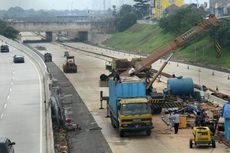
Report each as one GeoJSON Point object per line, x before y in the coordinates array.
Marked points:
{"type": "Point", "coordinates": [68, 4]}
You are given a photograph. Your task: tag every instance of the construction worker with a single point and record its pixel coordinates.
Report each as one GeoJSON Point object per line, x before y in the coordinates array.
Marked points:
{"type": "Point", "coordinates": [171, 123]}
{"type": "Point", "coordinates": [226, 115]}
{"type": "Point", "coordinates": [116, 77]}
{"type": "Point", "coordinates": [131, 71]}
{"type": "Point", "coordinates": [176, 121]}
{"type": "Point", "coordinates": [200, 119]}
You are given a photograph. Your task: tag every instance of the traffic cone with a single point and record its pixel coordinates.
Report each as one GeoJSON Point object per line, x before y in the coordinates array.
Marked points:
{"type": "Point", "coordinates": [228, 77]}
{"type": "Point", "coordinates": [177, 65]}
{"type": "Point", "coordinates": [188, 67]}
{"type": "Point", "coordinates": [213, 73]}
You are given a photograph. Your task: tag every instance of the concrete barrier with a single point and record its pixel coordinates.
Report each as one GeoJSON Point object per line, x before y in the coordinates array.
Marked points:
{"type": "Point", "coordinates": [215, 99]}
{"type": "Point", "coordinates": [47, 130]}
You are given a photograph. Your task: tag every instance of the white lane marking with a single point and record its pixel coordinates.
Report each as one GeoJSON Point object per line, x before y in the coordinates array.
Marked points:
{"type": "Point", "coordinates": [1, 116]}
{"type": "Point", "coordinates": [12, 83]}
{"type": "Point", "coordinates": [8, 97]}
{"type": "Point", "coordinates": [5, 105]}
{"type": "Point", "coordinates": [10, 89]}
{"type": "Point", "coordinates": [40, 86]}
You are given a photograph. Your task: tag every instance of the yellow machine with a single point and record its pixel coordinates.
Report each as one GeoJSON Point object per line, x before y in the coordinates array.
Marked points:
{"type": "Point", "coordinates": [202, 136]}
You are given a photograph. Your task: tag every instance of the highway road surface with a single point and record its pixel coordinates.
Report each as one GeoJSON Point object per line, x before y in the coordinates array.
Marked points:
{"type": "Point", "coordinates": [85, 82]}
{"type": "Point", "coordinates": [20, 103]}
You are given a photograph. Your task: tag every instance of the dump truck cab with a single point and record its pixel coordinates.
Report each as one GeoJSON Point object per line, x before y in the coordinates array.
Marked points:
{"type": "Point", "coordinates": [70, 66]}
{"type": "Point", "coordinates": [135, 115]}
{"type": "Point", "coordinates": [128, 106]}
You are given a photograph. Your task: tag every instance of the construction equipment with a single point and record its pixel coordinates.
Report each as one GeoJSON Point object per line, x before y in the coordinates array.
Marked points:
{"type": "Point", "coordinates": [158, 72]}
{"type": "Point", "coordinates": [176, 43]}
{"type": "Point", "coordinates": [128, 106]}
{"type": "Point", "coordinates": [115, 102]}
{"type": "Point", "coordinates": [202, 136]}
{"type": "Point", "coordinates": [47, 57]}
{"type": "Point", "coordinates": [170, 47]}
{"type": "Point", "coordinates": [122, 65]}
{"type": "Point", "coordinates": [70, 66]}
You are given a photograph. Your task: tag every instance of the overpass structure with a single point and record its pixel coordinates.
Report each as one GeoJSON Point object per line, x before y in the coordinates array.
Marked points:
{"type": "Point", "coordinates": [82, 29]}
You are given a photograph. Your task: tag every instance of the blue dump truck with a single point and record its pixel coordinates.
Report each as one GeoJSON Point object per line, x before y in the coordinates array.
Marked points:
{"type": "Point", "coordinates": [129, 108]}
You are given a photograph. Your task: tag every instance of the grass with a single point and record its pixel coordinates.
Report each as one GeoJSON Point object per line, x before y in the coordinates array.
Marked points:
{"type": "Point", "coordinates": [148, 38]}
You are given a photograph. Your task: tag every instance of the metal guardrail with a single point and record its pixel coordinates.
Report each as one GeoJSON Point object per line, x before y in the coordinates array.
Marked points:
{"type": "Point", "coordinates": [47, 132]}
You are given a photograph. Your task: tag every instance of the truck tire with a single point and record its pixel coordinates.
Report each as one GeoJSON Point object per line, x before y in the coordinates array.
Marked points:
{"type": "Point", "coordinates": [156, 110]}
{"type": "Point", "coordinates": [148, 132]}
{"type": "Point", "coordinates": [112, 121]}
{"type": "Point", "coordinates": [121, 133]}
{"type": "Point", "coordinates": [190, 143]}
{"type": "Point", "coordinates": [64, 69]}
{"type": "Point", "coordinates": [213, 143]}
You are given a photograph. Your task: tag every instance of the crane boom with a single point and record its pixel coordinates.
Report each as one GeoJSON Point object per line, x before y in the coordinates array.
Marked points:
{"type": "Point", "coordinates": [159, 71]}
{"type": "Point", "coordinates": [179, 41]}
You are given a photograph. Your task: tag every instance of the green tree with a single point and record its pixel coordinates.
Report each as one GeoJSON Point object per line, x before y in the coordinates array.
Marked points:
{"type": "Point", "coordinates": [126, 21]}
{"type": "Point", "coordinates": [8, 32]}
{"type": "Point", "coordinates": [126, 17]}
{"type": "Point", "coordinates": [126, 9]}
{"type": "Point", "coordinates": [142, 7]}
{"type": "Point", "coordinates": [222, 33]}
{"type": "Point", "coordinates": [182, 20]}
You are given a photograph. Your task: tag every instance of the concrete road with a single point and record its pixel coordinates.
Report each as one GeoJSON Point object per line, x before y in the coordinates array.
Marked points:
{"type": "Point", "coordinates": [20, 99]}
{"type": "Point", "coordinates": [86, 83]}
{"type": "Point", "coordinates": [29, 36]}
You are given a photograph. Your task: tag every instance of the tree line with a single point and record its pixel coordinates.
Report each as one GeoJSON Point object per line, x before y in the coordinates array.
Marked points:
{"type": "Point", "coordinates": [7, 31]}
{"type": "Point", "coordinates": [185, 18]}
{"type": "Point", "coordinates": [128, 15]}
{"type": "Point", "coordinates": [176, 23]}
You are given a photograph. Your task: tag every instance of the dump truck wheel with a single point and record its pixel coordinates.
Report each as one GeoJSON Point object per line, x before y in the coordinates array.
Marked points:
{"type": "Point", "coordinates": [148, 132]}
{"type": "Point", "coordinates": [213, 143]}
{"type": "Point", "coordinates": [112, 121]}
{"type": "Point", "coordinates": [121, 133]}
{"type": "Point", "coordinates": [190, 143]}
{"type": "Point", "coordinates": [156, 110]}
{"type": "Point", "coordinates": [64, 69]}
